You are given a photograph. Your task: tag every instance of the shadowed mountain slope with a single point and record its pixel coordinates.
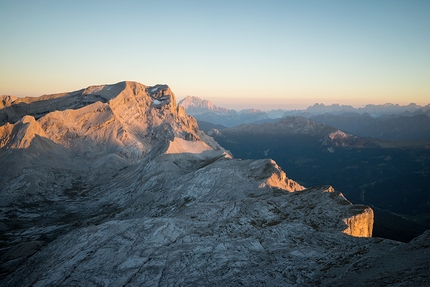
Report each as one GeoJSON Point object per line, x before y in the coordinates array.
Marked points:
{"type": "Point", "coordinates": [390, 176]}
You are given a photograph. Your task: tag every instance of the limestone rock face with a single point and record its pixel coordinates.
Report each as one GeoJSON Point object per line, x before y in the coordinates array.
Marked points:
{"type": "Point", "coordinates": [360, 224]}
{"type": "Point", "coordinates": [115, 185]}
{"type": "Point", "coordinates": [21, 134]}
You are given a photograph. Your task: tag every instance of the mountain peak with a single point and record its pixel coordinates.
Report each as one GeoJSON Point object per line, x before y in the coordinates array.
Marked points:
{"type": "Point", "coordinates": [127, 119]}
{"type": "Point", "coordinates": [196, 106]}
{"type": "Point", "coordinates": [117, 183]}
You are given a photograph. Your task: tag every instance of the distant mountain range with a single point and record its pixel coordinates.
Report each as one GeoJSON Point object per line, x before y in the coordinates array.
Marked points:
{"type": "Point", "coordinates": [373, 110]}
{"type": "Point", "coordinates": [388, 121]}
{"type": "Point", "coordinates": [416, 127]}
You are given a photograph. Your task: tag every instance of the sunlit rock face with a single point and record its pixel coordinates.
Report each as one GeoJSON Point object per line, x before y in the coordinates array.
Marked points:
{"type": "Point", "coordinates": [360, 224]}
{"type": "Point", "coordinates": [115, 185]}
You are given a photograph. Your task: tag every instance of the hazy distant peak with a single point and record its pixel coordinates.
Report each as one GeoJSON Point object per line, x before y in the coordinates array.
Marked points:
{"type": "Point", "coordinates": [251, 111]}
{"type": "Point", "coordinates": [192, 101]}
{"type": "Point", "coordinates": [195, 106]}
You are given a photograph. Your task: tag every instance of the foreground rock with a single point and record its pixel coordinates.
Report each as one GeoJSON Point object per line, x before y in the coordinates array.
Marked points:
{"type": "Point", "coordinates": [127, 191]}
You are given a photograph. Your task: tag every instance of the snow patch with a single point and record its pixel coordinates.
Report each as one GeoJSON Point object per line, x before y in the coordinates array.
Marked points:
{"type": "Point", "coordinates": [179, 145]}
{"type": "Point", "coordinates": [92, 90]}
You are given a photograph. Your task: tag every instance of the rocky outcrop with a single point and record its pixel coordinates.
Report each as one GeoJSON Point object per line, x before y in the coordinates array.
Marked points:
{"type": "Point", "coordinates": [122, 192]}
{"type": "Point", "coordinates": [21, 134]}
{"type": "Point", "coordinates": [360, 224]}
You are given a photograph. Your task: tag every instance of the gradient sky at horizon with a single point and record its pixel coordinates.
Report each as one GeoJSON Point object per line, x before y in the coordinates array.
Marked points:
{"type": "Point", "coordinates": [238, 54]}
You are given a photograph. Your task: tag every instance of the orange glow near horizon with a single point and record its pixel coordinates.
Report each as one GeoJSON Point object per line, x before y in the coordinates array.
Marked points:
{"type": "Point", "coordinates": [247, 99]}
{"type": "Point", "coordinates": [287, 55]}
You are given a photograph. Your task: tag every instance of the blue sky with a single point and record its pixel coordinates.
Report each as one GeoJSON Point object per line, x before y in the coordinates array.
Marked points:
{"type": "Point", "coordinates": [238, 54]}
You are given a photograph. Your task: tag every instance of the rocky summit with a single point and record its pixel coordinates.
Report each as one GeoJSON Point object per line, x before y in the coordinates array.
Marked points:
{"type": "Point", "coordinates": [115, 185]}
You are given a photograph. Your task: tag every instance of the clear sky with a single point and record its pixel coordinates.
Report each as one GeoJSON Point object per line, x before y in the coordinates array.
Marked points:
{"type": "Point", "coordinates": [238, 54]}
